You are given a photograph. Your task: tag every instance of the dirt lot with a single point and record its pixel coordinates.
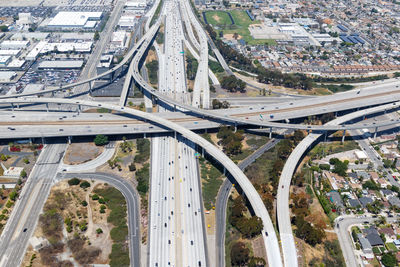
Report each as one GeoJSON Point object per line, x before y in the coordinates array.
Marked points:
{"type": "Point", "coordinates": [71, 198]}
{"type": "Point", "coordinates": [78, 153]}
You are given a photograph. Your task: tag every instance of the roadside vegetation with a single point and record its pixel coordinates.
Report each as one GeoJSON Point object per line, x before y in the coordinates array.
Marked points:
{"type": "Point", "coordinates": [152, 68]}
{"type": "Point", "coordinates": [116, 203]}
{"type": "Point", "coordinates": [68, 208]}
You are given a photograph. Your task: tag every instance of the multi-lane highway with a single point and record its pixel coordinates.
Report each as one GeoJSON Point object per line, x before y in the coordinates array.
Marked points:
{"type": "Point", "coordinates": [176, 226]}
{"type": "Point", "coordinates": [25, 215]}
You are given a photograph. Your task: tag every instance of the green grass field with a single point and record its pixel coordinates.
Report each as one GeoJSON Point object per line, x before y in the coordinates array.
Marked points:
{"type": "Point", "coordinates": [218, 18]}
{"type": "Point", "coordinates": [241, 26]}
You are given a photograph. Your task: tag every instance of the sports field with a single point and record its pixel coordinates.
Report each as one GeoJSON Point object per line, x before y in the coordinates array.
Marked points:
{"type": "Point", "coordinates": [221, 21]}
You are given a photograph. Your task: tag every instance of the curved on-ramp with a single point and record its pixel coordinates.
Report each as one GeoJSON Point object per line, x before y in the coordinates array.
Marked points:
{"type": "Point", "coordinates": [283, 212]}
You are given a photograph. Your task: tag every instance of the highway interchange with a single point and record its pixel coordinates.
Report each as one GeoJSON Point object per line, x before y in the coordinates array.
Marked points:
{"type": "Point", "coordinates": [176, 214]}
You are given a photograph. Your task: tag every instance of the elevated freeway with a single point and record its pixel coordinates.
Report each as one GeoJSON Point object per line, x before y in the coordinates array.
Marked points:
{"type": "Point", "coordinates": [268, 233]}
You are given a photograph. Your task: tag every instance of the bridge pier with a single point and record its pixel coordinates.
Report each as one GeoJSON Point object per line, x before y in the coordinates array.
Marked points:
{"type": "Point", "coordinates": [12, 106]}
{"type": "Point", "coordinates": [30, 140]}
{"type": "Point", "coordinates": [325, 136]}
{"type": "Point", "coordinates": [43, 141]}
{"type": "Point", "coordinates": [47, 107]}
{"type": "Point", "coordinates": [17, 105]}
{"type": "Point", "coordinates": [175, 134]}
{"type": "Point", "coordinates": [69, 139]}
{"type": "Point", "coordinates": [376, 132]}
{"type": "Point", "coordinates": [144, 135]}
{"type": "Point", "coordinates": [90, 87]}
{"type": "Point", "coordinates": [52, 93]}
{"type": "Point", "coordinates": [344, 135]}
{"type": "Point", "coordinates": [235, 127]}
{"type": "Point", "coordinates": [224, 171]}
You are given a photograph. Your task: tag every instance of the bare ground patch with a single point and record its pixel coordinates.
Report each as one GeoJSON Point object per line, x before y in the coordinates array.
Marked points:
{"type": "Point", "coordinates": [78, 153]}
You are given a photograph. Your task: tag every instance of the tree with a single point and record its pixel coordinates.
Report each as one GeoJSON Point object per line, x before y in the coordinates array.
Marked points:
{"type": "Point", "coordinates": [13, 195]}
{"type": "Point", "coordinates": [100, 140]}
{"type": "Point", "coordinates": [23, 173]}
{"type": "Point", "coordinates": [239, 254]}
{"type": "Point", "coordinates": [84, 184]}
{"type": "Point", "coordinates": [233, 84]}
{"type": "Point", "coordinates": [84, 203]}
{"type": "Point", "coordinates": [99, 231]}
{"type": "Point", "coordinates": [96, 36]}
{"type": "Point", "coordinates": [3, 28]}
{"type": "Point", "coordinates": [74, 181]}
{"type": "Point", "coordinates": [298, 136]}
{"type": "Point", "coordinates": [389, 260]}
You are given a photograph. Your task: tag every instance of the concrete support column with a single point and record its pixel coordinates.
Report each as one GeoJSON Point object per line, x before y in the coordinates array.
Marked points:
{"type": "Point", "coordinates": [325, 136]}
{"type": "Point", "coordinates": [224, 171]}
{"type": "Point", "coordinates": [90, 87]}
{"type": "Point", "coordinates": [47, 107]}
{"type": "Point", "coordinates": [52, 93]}
{"type": "Point", "coordinates": [202, 152]}
{"type": "Point", "coordinates": [344, 135]}
{"type": "Point", "coordinates": [235, 127]}
{"type": "Point", "coordinates": [17, 105]}
{"type": "Point", "coordinates": [79, 107]}
{"type": "Point", "coordinates": [270, 132]}
{"type": "Point", "coordinates": [335, 113]}
{"type": "Point", "coordinates": [12, 106]}
{"type": "Point", "coordinates": [175, 134]}
{"type": "Point", "coordinates": [30, 140]}
{"type": "Point", "coordinates": [363, 117]}
{"type": "Point", "coordinates": [384, 112]}
{"type": "Point", "coordinates": [43, 141]}
{"type": "Point", "coordinates": [144, 135]}
{"type": "Point", "coordinates": [376, 132]}
{"type": "Point", "coordinates": [69, 139]}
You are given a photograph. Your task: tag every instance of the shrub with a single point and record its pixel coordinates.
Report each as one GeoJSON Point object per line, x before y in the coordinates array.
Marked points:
{"type": "Point", "coordinates": [99, 231]}
{"type": "Point", "coordinates": [23, 174]}
{"type": "Point", "coordinates": [84, 184]}
{"type": "Point", "coordinates": [95, 197]}
{"type": "Point", "coordinates": [101, 140]}
{"type": "Point", "coordinates": [74, 181]}
{"type": "Point", "coordinates": [84, 203]}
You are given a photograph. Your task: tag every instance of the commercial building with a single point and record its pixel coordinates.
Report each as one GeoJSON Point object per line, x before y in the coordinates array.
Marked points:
{"type": "Point", "coordinates": [104, 65]}
{"type": "Point", "coordinates": [33, 54]}
{"type": "Point", "coordinates": [77, 36]}
{"type": "Point", "coordinates": [9, 44]}
{"type": "Point", "coordinates": [10, 52]}
{"type": "Point", "coordinates": [127, 21]}
{"type": "Point", "coordinates": [60, 64]}
{"type": "Point", "coordinates": [136, 5]}
{"type": "Point", "coordinates": [24, 19]}
{"type": "Point", "coordinates": [119, 38]}
{"type": "Point", "coordinates": [75, 19]}
{"type": "Point", "coordinates": [7, 76]}
{"type": "Point", "coordinates": [4, 60]}
{"type": "Point", "coordinates": [16, 64]}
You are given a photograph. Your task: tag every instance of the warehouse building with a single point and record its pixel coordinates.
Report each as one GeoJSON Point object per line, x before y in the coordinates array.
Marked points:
{"type": "Point", "coordinates": [104, 65]}
{"type": "Point", "coordinates": [8, 44]}
{"type": "Point", "coordinates": [60, 65]}
{"type": "Point", "coordinates": [7, 76]}
{"type": "Point", "coordinates": [66, 19]}
{"type": "Point", "coordinates": [4, 60]}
